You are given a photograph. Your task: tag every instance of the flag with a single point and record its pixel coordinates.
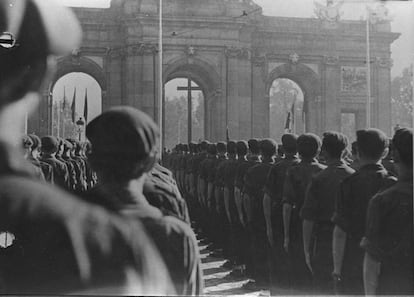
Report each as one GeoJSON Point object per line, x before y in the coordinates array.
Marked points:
{"type": "Point", "coordinates": [73, 107]}
{"type": "Point", "coordinates": [85, 108]}
{"type": "Point", "coordinates": [227, 134]}
{"type": "Point", "coordinates": [292, 110]}
{"type": "Point", "coordinates": [287, 125]}
{"type": "Point", "coordinates": [64, 98]}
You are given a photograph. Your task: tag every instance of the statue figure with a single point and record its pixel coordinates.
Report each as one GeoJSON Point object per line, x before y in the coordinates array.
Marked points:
{"type": "Point", "coordinates": [330, 12]}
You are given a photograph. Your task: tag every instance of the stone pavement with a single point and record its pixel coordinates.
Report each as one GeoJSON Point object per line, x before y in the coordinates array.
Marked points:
{"type": "Point", "coordinates": [218, 280]}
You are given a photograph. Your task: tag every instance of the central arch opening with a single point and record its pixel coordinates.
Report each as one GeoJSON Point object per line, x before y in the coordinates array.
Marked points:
{"type": "Point", "coordinates": [286, 108]}
{"type": "Point", "coordinates": [181, 95]}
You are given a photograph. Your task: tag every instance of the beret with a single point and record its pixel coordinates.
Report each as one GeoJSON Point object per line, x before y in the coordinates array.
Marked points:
{"type": "Point", "coordinates": [289, 140]}
{"type": "Point", "coordinates": [49, 143]}
{"type": "Point", "coordinates": [268, 146]}
{"type": "Point", "coordinates": [231, 147]}
{"type": "Point", "coordinates": [221, 146]}
{"type": "Point", "coordinates": [123, 130]}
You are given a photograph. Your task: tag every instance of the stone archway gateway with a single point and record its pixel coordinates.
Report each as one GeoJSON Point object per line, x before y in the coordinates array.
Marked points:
{"type": "Point", "coordinates": [234, 53]}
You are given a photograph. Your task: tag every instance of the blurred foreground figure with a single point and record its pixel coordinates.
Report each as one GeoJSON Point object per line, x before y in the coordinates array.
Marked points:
{"type": "Point", "coordinates": [50, 242]}
{"type": "Point", "coordinates": [124, 151]}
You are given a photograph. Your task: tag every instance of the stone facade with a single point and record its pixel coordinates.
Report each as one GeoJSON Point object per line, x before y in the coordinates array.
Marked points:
{"type": "Point", "coordinates": [234, 53]}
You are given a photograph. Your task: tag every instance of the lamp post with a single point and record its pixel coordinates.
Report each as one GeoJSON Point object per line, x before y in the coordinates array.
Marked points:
{"type": "Point", "coordinates": [80, 123]}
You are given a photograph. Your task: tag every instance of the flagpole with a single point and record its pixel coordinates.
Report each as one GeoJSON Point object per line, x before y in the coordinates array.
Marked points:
{"type": "Point", "coordinates": [160, 81]}
{"type": "Point", "coordinates": [368, 101]}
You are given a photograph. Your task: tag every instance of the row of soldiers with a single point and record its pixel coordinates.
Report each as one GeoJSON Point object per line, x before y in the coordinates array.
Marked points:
{"type": "Point", "coordinates": [124, 230]}
{"type": "Point", "coordinates": [307, 215]}
{"type": "Point", "coordinates": [62, 162]}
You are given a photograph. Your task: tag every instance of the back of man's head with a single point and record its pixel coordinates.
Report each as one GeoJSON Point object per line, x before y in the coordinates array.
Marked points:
{"type": "Point", "coordinates": [49, 144]}
{"type": "Point", "coordinates": [254, 146]}
{"type": "Point", "coordinates": [221, 147]}
{"type": "Point", "coordinates": [124, 143]}
{"type": "Point", "coordinates": [309, 145]}
{"type": "Point", "coordinates": [268, 147]}
{"type": "Point", "coordinates": [289, 143]}
{"type": "Point", "coordinates": [242, 148]}
{"type": "Point", "coordinates": [403, 145]}
{"type": "Point", "coordinates": [212, 149]}
{"type": "Point", "coordinates": [231, 147]}
{"type": "Point", "coordinates": [334, 144]}
{"type": "Point", "coordinates": [372, 143]}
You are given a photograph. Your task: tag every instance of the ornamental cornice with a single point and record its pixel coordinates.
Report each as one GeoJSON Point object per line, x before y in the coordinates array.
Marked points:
{"type": "Point", "coordinates": [331, 60]}
{"type": "Point", "coordinates": [237, 52]}
{"type": "Point", "coordinates": [139, 49]}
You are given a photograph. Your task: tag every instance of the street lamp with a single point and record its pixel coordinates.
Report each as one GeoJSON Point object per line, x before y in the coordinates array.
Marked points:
{"type": "Point", "coordinates": [80, 123]}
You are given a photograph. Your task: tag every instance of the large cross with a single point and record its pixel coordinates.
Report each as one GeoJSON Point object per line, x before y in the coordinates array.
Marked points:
{"type": "Point", "coordinates": [189, 88]}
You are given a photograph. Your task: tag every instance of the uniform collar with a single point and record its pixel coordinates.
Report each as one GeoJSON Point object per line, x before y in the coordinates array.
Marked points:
{"type": "Point", "coordinates": [13, 162]}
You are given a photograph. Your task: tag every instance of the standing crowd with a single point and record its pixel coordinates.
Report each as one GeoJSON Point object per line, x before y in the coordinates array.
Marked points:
{"type": "Point", "coordinates": [309, 214]}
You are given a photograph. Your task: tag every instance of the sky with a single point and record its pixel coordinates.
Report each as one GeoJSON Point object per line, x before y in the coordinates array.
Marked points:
{"type": "Point", "coordinates": [402, 13]}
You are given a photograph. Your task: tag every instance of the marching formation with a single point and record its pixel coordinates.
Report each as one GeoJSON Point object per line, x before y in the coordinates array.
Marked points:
{"type": "Point", "coordinates": [307, 214]}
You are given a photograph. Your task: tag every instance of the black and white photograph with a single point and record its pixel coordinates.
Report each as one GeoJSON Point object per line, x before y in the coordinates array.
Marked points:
{"type": "Point", "coordinates": [206, 148]}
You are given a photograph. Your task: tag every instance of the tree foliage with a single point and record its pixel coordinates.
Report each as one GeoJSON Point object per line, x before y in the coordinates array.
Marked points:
{"type": "Point", "coordinates": [402, 98]}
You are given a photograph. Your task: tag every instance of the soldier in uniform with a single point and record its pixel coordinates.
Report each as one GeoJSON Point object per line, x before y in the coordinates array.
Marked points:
{"type": "Point", "coordinates": [388, 241]}
{"type": "Point", "coordinates": [272, 207]}
{"type": "Point", "coordinates": [229, 168]}
{"type": "Point", "coordinates": [131, 133]}
{"type": "Point", "coordinates": [60, 171]}
{"type": "Point", "coordinates": [351, 207]}
{"type": "Point", "coordinates": [57, 244]}
{"type": "Point", "coordinates": [69, 166]}
{"type": "Point", "coordinates": [248, 156]}
{"type": "Point", "coordinates": [254, 182]}
{"type": "Point", "coordinates": [34, 158]}
{"type": "Point", "coordinates": [318, 210]}
{"type": "Point", "coordinates": [297, 180]}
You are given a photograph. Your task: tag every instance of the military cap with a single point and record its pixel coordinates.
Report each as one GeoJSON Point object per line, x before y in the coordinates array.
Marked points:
{"type": "Point", "coordinates": [289, 142]}
{"type": "Point", "coordinates": [371, 142]}
{"type": "Point", "coordinates": [242, 147]}
{"type": "Point", "coordinates": [308, 145]}
{"type": "Point", "coordinates": [49, 144]}
{"type": "Point", "coordinates": [221, 147]}
{"type": "Point", "coordinates": [334, 143]}
{"type": "Point", "coordinates": [403, 144]}
{"type": "Point", "coordinates": [212, 149]}
{"type": "Point", "coordinates": [27, 142]}
{"type": "Point", "coordinates": [231, 147]}
{"type": "Point", "coordinates": [268, 146]}
{"type": "Point", "coordinates": [123, 131]}
{"type": "Point", "coordinates": [36, 141]}
{"type": "Point", "coordinates": [254, 146]}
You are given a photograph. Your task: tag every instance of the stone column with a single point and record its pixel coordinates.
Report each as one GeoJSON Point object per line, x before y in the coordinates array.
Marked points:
{"type": "Point", "coordinates": [114, 77]}
{"type": "Point", "coordinates": [382, 103]}
{"type": "Point", "coordinates": [260, 99]}
{"type": "Point", "coordinates": [237, 97]}
{"type": "Point", "coordinates": [332, 72]}
{"type": "Point", "coordinates": [147, 98]}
